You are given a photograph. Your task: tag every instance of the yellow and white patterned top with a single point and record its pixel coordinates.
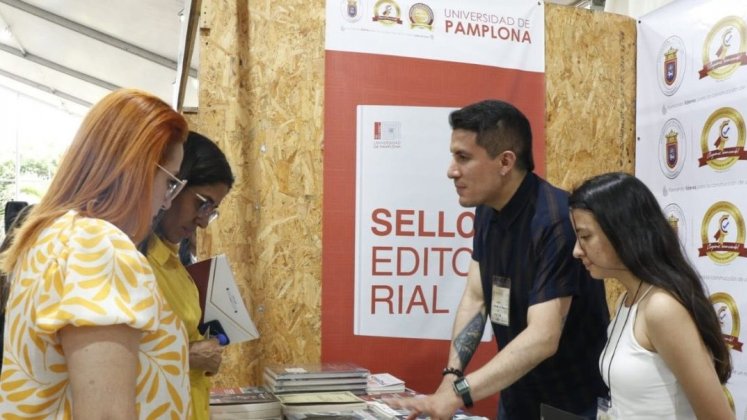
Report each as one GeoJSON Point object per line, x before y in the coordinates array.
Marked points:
{"type": "Point", "coordinates": [82, 271]}
{"type": "Point", "coordinates": [181, 293]}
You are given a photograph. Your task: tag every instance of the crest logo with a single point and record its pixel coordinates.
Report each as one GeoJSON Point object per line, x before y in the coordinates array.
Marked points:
{"type": "Point", "coordinates": [676, 218]}
{"type": "Point", "coordinates": [421, 16]}
{"type": "Point", "coordinates": [352, 10]}
{"type": "Point", "coordinates": [670, 66]}
{"type": "Point", "coordinates": [722, 233]}
{"type": "Point", "coordinates": [672, 152]}
{"type": "Point", "coordinates": [728, 317]}
{"type": "Point", "coordinates": [724, 49]}
{"type": "Point", "coordinates": [387, 12]}
{"type": "Point", "coordinates": [722, 140]}
{"type": "Point", "coordinates": [387, 135]}
{"type": "Point", "coordinates": [672, 62]}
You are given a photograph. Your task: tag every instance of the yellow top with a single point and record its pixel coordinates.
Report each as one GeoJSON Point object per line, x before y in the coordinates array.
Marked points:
{"type": "Point", "coordinates": [82, 271]}
{"type": "Point", "coordinates": [181, 294]}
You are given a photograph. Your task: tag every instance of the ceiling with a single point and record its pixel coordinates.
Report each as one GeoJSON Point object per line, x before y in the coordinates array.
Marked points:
{"type": "Point", "coordinates": [70, 53]}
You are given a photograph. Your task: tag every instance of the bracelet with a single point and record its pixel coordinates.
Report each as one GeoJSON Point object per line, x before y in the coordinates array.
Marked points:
{"type": "Point", "coordinates": [453, 371]}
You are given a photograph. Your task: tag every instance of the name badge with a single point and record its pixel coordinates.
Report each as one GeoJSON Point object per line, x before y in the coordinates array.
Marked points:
{"type": "Point", "coordinates": [604, 409]}
{"type": "Point", "coordinates": [500, 306]}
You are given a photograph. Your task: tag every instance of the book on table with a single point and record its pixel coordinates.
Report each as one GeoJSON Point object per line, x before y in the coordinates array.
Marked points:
{"type": "Point", "coordinates": [350, 415]}
{"type": "Point", "coordinates": [315, 371]}
{"type": "Point", "coordinates": [320, 377]}
{"type": "Point", "coordinates": [377, 404]}
{"type": "Point", "coordinates": [300, 386]}
{"type": "Point", "coordinates": [321, 402]}
{"type": "Point", "coordinates": [244, 402]}
{"type": "Point", "coordinates": [384, 383]}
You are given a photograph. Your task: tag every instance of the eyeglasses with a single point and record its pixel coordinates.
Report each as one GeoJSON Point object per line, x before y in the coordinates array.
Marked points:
{"type": "Point", "coordinates": [207, 208]}
{"type": "Point", "coordinates": [175, 186]}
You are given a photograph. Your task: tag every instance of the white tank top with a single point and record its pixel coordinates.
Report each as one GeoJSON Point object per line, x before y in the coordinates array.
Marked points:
{"type": "Point", "coordinates": [642, 387]}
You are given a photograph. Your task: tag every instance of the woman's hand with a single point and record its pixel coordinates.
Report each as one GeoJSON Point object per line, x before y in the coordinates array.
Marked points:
{"type": "Point", "coordinates": [205, 355]}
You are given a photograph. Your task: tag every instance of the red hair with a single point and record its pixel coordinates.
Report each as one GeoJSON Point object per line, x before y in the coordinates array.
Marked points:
{"type": "Point", "coordinates": [109, 169]}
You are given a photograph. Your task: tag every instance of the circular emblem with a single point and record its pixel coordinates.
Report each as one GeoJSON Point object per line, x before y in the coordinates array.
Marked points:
{"type": "Point", "coordinates": [672, 148]}
{"type": "Point", "coordinates": [352, 10]}
{"type": "Point", "coordinates": [722, 233]}
{"type": "Point", "coordinates": [722, 140]}
{"type": "Point", "coordinates": [672, 62]}
{"type": "Point", "coordinates": [728, 317]}
{"type": "Point", "coordinates": [724, 48]}
{"type": "Point", "coordinates": [387, 12]}
{"type": "Point", "coordinates": [676, 218]}
{"type": "Point", "coordinates": [421, 16]}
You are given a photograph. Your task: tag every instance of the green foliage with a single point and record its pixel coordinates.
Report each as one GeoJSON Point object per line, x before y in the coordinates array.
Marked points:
{"type": "Point", "coordinates": [40, 168]}
{"type": "Point", "coordinates": [30, 168]}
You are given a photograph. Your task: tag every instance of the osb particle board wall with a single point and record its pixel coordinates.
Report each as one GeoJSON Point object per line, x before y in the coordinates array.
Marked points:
{"type": "Point", "coordinates": [261, 99]}
{"type": "Point", "coordinates": [590, 104]}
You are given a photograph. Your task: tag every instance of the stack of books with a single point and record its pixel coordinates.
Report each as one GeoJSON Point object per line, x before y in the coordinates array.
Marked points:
{"type": "Point", "coordinates": [384, 383]}
{"type": "Point", "coordinates": [315, 404]}
{"type": "Point", "coordinates": [244, 403]}
{"type": "Point", "coordinates": [322, 377]}
{"type": "Point", "coordinates": [377, 404]}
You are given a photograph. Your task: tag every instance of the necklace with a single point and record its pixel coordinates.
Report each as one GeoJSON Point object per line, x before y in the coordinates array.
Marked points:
{"type": "Point", "coordinates": [622, 329]}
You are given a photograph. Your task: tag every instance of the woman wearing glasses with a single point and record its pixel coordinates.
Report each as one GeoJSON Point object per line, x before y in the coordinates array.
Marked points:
{"type": "Point", "coordinates": [88, 332]}
{"type": "Point", "coordinates": [208, 179]}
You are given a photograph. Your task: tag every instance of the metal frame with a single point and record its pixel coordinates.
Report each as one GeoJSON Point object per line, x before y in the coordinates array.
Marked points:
{"type": "Point", "coordinates": [94, 34]}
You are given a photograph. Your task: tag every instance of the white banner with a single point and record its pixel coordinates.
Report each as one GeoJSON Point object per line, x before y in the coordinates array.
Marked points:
{"type": "Point", "coordinates": [413, 239]}
{"type": "Point", "coordinates": [500, 33]}
{"type": "Point", "coordinates": [691, 110]}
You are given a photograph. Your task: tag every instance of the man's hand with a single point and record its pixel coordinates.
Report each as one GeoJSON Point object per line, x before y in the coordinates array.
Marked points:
{"type": "Point", "coordinates": [439, 406]}
{"type": "Point", "coordinates": [206, 355]}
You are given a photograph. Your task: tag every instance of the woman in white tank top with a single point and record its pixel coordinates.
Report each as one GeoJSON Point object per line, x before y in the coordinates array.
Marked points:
{"type": "Point", "coordinates": [665, 356]}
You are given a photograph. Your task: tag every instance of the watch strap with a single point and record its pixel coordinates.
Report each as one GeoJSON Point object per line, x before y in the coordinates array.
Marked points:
{"type": "Point", "coordinates": [461, 387]}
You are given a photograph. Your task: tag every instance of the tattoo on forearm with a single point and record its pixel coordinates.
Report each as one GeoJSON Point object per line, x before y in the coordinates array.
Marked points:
{"type": "Point", "coordinates": [467, 340]}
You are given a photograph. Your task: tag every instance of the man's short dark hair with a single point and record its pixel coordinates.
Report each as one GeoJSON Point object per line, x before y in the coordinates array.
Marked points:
{"type": "Point", "coordinates": [500, 126]}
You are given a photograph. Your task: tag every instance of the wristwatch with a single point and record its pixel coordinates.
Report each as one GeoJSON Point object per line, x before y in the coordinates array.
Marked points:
{"type": "Point", "coordinates": [461, 387]}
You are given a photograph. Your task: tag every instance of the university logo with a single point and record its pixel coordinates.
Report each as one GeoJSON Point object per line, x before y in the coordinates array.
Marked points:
{"type": "Point", "coordinates": [672, 148]}
{"type": "Point", "coordinates": [724, 48]}
{"type": "Point", "coordinates": [722, 233]}
{"type": "Point", "coordinates": [728, 317]}
{"type": "Point", "coordinates": [387, 12]}
{"type": "Point", "coordinates": [672, 62]}
{"type": "Point", "coordinates": [421, 16]}
{"type": "Point", "coordinates": [722, 140]}
{"type": "Point", "coordinates": [352, 10]}
{"type": "Point", "coordinates": [387, 135]}
{"type": "Point", "coordinates": [676, 218]}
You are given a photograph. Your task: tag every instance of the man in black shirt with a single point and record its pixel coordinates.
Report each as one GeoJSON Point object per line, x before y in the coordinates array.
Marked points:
{"type": "Point", "coordinates": [548, 316]}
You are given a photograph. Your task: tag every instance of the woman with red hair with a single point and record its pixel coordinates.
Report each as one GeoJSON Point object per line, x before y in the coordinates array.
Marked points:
{"type": "Point", "coordinates": [88, 332]}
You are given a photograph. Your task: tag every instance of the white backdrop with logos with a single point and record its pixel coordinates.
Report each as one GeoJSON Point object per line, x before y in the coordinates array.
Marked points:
{"type": "Point", "coordinates": [690, 126]}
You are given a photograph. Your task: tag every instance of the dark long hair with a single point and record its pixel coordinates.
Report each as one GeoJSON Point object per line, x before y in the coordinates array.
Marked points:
{"type": "Point", "coordinates": [204, 163]}
{"type": "Point", "coordinates": [16, 221]}
{"type": "Point", "coordinates": [648, 246]}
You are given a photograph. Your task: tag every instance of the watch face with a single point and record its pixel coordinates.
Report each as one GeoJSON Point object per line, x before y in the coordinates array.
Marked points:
{"type": "Point", "coordinates": [461, 386]}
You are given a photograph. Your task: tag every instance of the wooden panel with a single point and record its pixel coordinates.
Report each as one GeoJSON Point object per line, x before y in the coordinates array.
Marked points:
{"type": "Point", "coordinates": [590, 79]}
{"type": "Point", "coordinates": [261, 85]}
